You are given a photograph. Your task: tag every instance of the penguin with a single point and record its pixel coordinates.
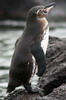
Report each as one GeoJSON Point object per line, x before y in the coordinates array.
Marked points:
{"type": "Point", "coordinates": [32, 43]}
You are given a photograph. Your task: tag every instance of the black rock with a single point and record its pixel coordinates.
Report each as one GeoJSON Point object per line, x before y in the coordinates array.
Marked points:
{"type": "Point", "coordinates": [53, 82]}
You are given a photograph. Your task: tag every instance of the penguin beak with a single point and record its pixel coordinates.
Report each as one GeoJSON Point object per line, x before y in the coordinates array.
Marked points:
{"type": "Point", "coordinates": [44, 11]}
{"type": "Point", "coordinates": [49, 7]}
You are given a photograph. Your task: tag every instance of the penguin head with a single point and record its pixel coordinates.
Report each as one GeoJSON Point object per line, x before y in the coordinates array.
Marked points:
{"type": "Point", "coordinates": [43, 12]}
{"type": "Point", "coordinates": [39, 11]}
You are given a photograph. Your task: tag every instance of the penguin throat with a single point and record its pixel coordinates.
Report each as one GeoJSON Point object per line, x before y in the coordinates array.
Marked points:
{"type": "Point", "coordinates": [45, 28]}
{"type": "Point", "coordinates": [44, 31]}
{"type": "Point", "coordinates": [43, 22]}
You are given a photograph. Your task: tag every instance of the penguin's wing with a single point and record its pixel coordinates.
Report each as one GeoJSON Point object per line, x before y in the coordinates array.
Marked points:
{"type": "Point", "coordinates": [38, 53]}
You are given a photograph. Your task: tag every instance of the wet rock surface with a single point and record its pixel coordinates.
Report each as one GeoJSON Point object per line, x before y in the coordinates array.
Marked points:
{"type": "Point", "coordinates": [56, 66]}
{"type": "Point", "coordinates": [53, 82]}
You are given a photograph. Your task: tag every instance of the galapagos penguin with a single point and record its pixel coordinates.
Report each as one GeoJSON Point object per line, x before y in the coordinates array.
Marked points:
{"type": "Point", "coordinates": [33, 42]}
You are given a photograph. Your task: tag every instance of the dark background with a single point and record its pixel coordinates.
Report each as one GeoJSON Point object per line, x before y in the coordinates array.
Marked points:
{"type": "Point", "coordinates": [17, 9]}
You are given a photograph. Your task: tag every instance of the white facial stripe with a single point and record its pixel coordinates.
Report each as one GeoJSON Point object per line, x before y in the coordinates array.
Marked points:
{"type": "Point", "coordinates": [38, 12]}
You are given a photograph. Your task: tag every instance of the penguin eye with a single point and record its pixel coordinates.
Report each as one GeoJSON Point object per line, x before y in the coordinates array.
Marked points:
{"type": "Point", "coordinates": [45, 11]}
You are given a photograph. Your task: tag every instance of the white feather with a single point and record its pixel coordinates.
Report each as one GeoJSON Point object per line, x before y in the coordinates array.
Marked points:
{"type": "Point", "coordinates": [44, 43]}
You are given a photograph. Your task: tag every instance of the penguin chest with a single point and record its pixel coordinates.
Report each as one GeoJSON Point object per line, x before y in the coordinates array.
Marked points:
{"type": "Point", "coordinates": [44, 42]}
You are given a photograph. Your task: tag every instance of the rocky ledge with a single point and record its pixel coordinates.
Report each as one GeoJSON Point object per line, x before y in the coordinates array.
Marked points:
{"type": "Point", "coordinates": [54, 79]}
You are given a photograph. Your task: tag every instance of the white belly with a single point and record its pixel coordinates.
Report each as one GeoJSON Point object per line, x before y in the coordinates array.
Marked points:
{"type": "Point", "coordinates": [44, 43]}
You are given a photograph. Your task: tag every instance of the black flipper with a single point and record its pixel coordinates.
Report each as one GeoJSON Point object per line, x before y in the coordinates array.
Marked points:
{"type": "Point", "coordinates": [38, 53]}
{"type": "Point", "coordinates": [30, 90]}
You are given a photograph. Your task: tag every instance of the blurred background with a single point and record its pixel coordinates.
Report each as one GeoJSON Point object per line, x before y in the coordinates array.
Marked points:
{"type": "Point", "coordinates": [12, 21]}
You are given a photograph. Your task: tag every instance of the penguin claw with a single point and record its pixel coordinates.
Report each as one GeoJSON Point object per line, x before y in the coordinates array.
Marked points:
{"type": "Point", "coordinates": [37, 90]}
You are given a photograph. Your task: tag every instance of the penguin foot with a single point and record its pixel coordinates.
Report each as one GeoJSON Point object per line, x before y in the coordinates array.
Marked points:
{"type": "Point", "coordinates": [30, 90]}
